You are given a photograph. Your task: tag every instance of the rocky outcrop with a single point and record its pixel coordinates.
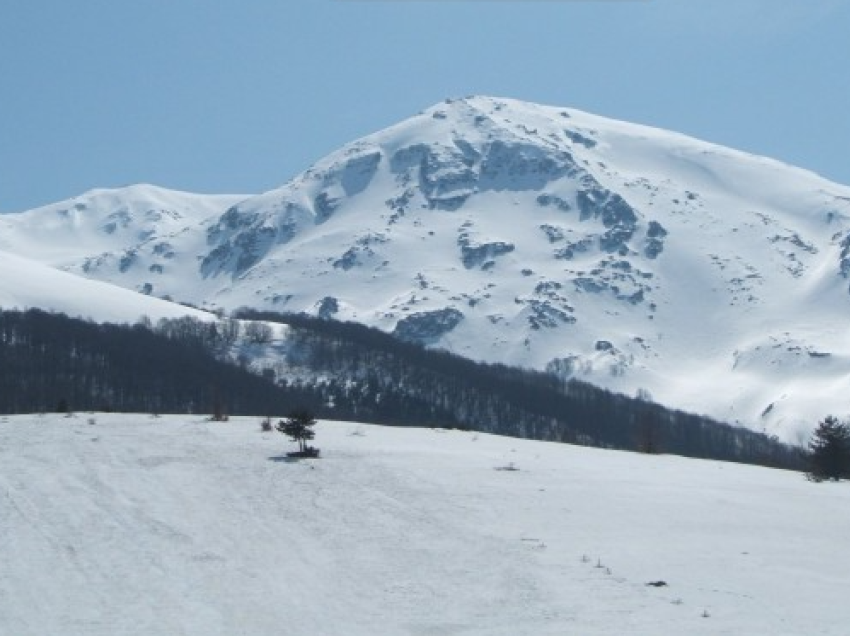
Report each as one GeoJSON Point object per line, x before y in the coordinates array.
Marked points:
{"type": "Point", "coordinates": [481, 254]}
{"type": "Point", "coordinates": [428, 326]}
{"type": "Point", "coordinates": [240, 239]}
{"type": "Point", "coordinates": [547, 306]}
{"type": "Point", "coordinates": [618, 278]}
{"type": "Point", "coordinates": [654, 243]}
{"type": "Point", "coordinates": [328, 307]}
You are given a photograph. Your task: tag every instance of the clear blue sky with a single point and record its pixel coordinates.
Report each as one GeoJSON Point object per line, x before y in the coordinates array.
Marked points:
{"type": "Point", "coordinates": [240, 95]}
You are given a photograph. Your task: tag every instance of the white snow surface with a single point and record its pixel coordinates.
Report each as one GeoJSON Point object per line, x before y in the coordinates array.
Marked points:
{"type": "Point", "coordinates": [634, 258]}
{"type": "Point", "coordinates": [27, 284]}
{"type": "Point", "coordinates": [111, 230]}
{"type": "Point", "coordinates": [133, 525]}
{"type": "Point", "coordinates": [104, 221]}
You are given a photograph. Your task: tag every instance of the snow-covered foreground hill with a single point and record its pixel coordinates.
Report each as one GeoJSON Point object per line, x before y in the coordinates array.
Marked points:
{"type": "Point", "coordinates": [175, 525]}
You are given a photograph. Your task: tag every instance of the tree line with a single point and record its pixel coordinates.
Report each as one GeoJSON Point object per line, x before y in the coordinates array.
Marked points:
{"type": "Point", "coordinates": [379, 378]}
{"type": "Point", "coordinates": [50, 360]}
{"type": "Point", "coordinates": [336, 370]}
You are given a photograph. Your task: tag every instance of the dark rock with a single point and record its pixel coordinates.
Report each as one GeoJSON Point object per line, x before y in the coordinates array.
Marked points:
{"type": "Point", "coordinates": [569, 251]}
{"type": "Point", "coordinates": [127, 260]}
{"type": "Point", "coordinates": [547, 200]}
{"type": "Point", "coordinates": [328, 307]}
{"type": "Point", "coordinates": [547, 287]}
{"type": "Point", "coordinates": [578, 138]}
{"type": "Point", "coordinates": [616, 212]}
{"type": "Point", "coordinates": [475, 254]}
{"type": "Point", "coordinates": [445, 174]}
{"type": "Point", "coordinates": [164, 249]}
{"type": "Point", "coordinates": [358, 172]}
{"type": "Point", "coordinates": [428, 326]}
{"type": "Point", "coordinates": [553, 233]}
{"type": "Point", "coordinates": [595, 201]}
{"type": "Point", "coordinates": [543, 314]}
{"type": "Point", "coordinates": [591, 285]}
{"type": "Point", "coordinates": [324, 206]}
{"type": "Point", "coordinates": [252, 246]}
{"type": "Point", "coordinates": [240, 240]}
{"type": "Point", "coordinates": [614, 240]}
{"type": "Point", "coordinates": [402, 202]}
{"type": "Point", "coordinates": [120, 218]}
{"type": "Point", "coordinates": [448, 204]}
{"type": "Point", "coordinates": [819, 354]}
{"type": "Point", "coordinates": [635, 299]}
{"type": "Point", "coordinates": [844, 263]}
{"type": "Point", "coordinates": [522, 166]}
{"type": "Point", "coordinates": [653, 247]}
{"type": "Point", "coordinates": [348, 260]}
{"type": "Point", "coordinates": [655, 230]}
{"type": "Point", "coordinates": [654, 244]}
{"type": "Point", "coordinates": [590, 201]}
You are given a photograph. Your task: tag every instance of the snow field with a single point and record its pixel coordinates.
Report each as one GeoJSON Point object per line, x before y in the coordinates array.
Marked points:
{"type": "Point", "coordinates": [128, 524]}
{"type": "Point", "coordinates": [26, 284]}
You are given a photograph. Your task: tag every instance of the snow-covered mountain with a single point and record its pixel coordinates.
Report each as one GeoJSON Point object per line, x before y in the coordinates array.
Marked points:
{"type": "Point", "coordinates": [104, 234]}
{"type": "Point", "coordinates": [638, 259]}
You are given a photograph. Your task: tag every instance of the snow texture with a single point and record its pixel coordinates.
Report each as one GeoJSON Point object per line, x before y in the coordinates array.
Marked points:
{"type": "Point", "coordinates": [133, 525]}
{"type": "Point", "coordinates": [26, 284]}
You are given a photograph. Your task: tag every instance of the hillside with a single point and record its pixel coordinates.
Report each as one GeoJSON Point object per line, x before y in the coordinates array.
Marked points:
{"type": "Point", "coordinates": [25, 283]}
{"type": "Point", "coordinates": [140, 526]}
{"type": "Point", "coordinates": [50, 362]}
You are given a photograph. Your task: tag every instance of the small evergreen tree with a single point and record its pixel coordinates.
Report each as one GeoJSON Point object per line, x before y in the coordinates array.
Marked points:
{"type": "Point", "coordinates": [298, 426]}
{"type": "Point", "coordinates": [829, 450]}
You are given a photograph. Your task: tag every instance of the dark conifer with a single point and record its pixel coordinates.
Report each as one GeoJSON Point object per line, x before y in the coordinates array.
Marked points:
{"type": "Point", "coordinates": [829, 450]}
{"type": "Point", "coordinates": [298, 426]}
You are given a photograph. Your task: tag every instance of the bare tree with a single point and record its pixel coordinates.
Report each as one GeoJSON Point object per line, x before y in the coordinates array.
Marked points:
{"type": "Point", "coordinates": [258, 332]}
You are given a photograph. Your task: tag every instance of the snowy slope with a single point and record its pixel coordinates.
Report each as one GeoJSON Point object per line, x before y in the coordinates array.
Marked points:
{"type": "Point", "coordinates": [635, 258]}
{"type": "Point", "coordinates": [141, 526]}
{"type": "Point", "coordinates": [26, 284]}
{"type": "Point", "coordinates": [111, 231]}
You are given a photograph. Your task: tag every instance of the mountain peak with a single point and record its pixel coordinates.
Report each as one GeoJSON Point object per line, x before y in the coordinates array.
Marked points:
{"type": "Point", "coordinates": [632, 257]}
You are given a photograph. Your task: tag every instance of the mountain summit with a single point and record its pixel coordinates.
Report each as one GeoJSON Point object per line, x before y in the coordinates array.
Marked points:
{"type": "Point", "coordinates": [637, 259]}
